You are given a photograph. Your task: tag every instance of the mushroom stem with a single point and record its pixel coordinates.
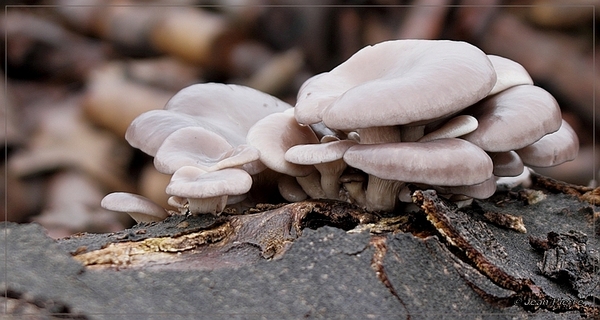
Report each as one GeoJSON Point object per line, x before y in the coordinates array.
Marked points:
{"type": "Point", "coordinates": [214, 205]}
{"type": "Point", "coordinates": [178, 202]}
{"type": "Point", "coordinates": [290, 190]}
{"type": "Point", "coordinates": [382, 194]}
{"type": "Point", "coordinates": [507, 183]}
{"type": "Point", "coordinates": [460, 200]}
{"type": "Point", "coordinates": [140, 208]}
{"type": "Point", "coordinates": [330, 175]}
{"type": "Point", "coordinates": [356, 193]}
{"type": "Point", "coordinates": [379, 134]}
{"type": "Point", "coordinates": [412, 133]}
{"type": "Point", "coordinates": [311, 184]}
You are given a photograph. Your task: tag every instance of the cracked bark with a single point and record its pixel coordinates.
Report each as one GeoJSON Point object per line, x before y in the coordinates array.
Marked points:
{"type": "Point", "coordinates": [327, 257]}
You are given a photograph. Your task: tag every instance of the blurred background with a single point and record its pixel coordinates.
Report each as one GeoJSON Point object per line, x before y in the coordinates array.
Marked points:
{"type": "Point", "coordinates": [78, 72]}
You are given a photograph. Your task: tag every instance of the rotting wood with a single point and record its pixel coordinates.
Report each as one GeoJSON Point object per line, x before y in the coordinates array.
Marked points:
{"type": "Point", "coordinates": [209, 242]}
{"type": "Point", "coordinates": [591, 195]}
{"type": "Point", "coordinates": [268, 234]}
{"type": "Point", "coordinates": [463, 233]}
{"type": "Point", "coordinates": [130, 253]}
{"type": "Point", "coordinates": [567, 258]}
{"type": "Point", "coordinates": [506, 220]}
{"type": "Point", "coordinates": [480, 249]}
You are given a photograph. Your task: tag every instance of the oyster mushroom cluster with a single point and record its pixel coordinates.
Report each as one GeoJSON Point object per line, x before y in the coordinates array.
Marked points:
{"type": "Point", "coordinates": [430, 113]}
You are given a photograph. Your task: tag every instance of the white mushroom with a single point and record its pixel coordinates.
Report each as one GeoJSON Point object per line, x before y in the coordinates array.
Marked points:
{"type": "Point", "coordinates": [482, 190]}
{"type": "Point", "coordinates": [273, 136]}
{"type": "Point", "coordinates": [552, 149]}
{"type": "Point", "coordinates": [207, 192]}
{"type": "Point", "coordinates": [506, 164]}
{"type": "Point", "coordinates": [140, 208]}
{"type": "Point", "coordinates": [327, 158]}
{"type": "Point", "coordinates": [199, 147]}
{"type": "Point", "coordinates": [453, 128]}
{"type": "Point", "coordinates": [508, 73]}
{"type": "Point", "coordinates": [443, 162]}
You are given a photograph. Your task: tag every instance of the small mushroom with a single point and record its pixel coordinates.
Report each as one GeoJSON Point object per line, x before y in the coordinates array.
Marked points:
{"type": "Point", "coordinates": [199, 147]}
{"type": "Point", "coordinates": [506, 164]}
{"type": "Point", "coordinates": [140, 208]}
{"type": "Point", "coordinates": [353, 184]}
{"type": "Point", "coordinates": [290, 190]}
{"type": "Point", "coordinates": [327, 158]}
{"type": "Point", "coordinates": [481, 190]}
{"type": "Point", "coordinates": [552, 149]}
{"type": "Point", "coordinates": [207, 192]}
{"type": "Point", "coordinates": [508, 73]}
{"type": "Point", "coordinates": [273, 136]}
{"type": "Point", "coordinates": [178, 202]}
{"type": "Point", "coordinates": [507, 183]}
{"type": "Point", "coordinates": [453, 128]}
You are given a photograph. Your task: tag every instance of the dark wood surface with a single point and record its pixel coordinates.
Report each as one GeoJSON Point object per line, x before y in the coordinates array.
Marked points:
{"type": "Point", "coordinates": [301, 261]}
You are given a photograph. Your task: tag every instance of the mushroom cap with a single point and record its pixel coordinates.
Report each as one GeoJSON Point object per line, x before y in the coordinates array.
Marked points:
{"type": "Point", "coordinates": [552, 149]}
{"type": "Point", "coordinates": [192, 182]}
{"type": "Point", "coordinates": [225, 109]}
{"type": "Point", "coordinates": [445, 162]}
{"type": "Point", "coordinates": [506, 164]}
{"type": "Point", "coordinates": [199, 147]}
{"type": "Point", "coordinates": [149, 130]}
{"type": "Point", "coordinates": [481, 190]}
{"type": "Point", "coordinates": [514, 118]}
{"type": "Point", "coordinates": [395, 83]}
{"type": "Point", "coordinates": [453, 128]}
{"type": "Point", "coordinates": [190, 146]}
{"type": "Point", "coordinates": [139, 207]}
{"type": "Point", "coordinates": [508, 73]}
{"type": "Point", "coordinates": [274, 135]}
{"type": "Point", "coordinates": [507, 183]}
{"type": "Point", "coordinates": [311, 154]}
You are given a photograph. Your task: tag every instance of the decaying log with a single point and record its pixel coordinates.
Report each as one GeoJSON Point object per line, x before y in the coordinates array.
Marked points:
{"type": "Point", "coordinates": [440, 259]}
{"type": "Point", "coordinates": [210, 242]}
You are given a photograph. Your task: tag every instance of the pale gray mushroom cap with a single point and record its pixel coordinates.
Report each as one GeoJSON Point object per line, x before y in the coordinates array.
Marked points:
{"type": "Point", "coordinates": [552, 149]}
{"type": "Point", "coordinates": [514, 118]}
{"type": "Point", "coordinates": [198, 147]}
{"type": "Point", "coordinates": [507, 183]}
{"type": "Point", "coordinates": [140, 208]}
{"type": "Point", "coordinates": [274, 135]}
{"type": "Point", "coordinates": [192, 182]}
{"type": "Point", "coordinates": [327, 157]}
{"type": "Point", "coordinates": [311, 154]}
{"type": "Point", "coordinates": [225, 109]}
{"type": "Point", "coordinates": [508, 73]}
{"type": "Point", "coordinates": [481, 190]}
{"type": "Point", "coordinates": [452, 128]}
{"type": "Point", "coordinates": [397, 82]}
{"type": "Point", "coordinates": [445, 162]}
{"type": "Point", "coordinates": [506, 164]}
